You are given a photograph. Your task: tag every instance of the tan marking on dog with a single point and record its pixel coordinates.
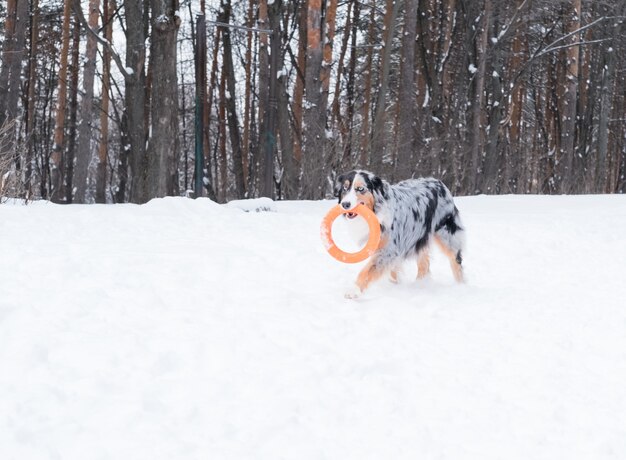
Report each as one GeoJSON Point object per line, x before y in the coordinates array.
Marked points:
{"type": "Point", "coordinates": [423, 264]}
{"type": "Point", "coordinates": [366, 196]}
{"type": "Point", "coordinates": [393, 276]}
{"type": "Point", "coordinates": [384, 239]}
{"type": "Point", "coordinates": [457, 269]}
{"type": "Point", "coordinates": [368, 275]}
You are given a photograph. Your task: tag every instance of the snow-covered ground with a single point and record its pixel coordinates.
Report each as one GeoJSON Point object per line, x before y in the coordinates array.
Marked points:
{"type": "Point", "coordinates": [183, 329]}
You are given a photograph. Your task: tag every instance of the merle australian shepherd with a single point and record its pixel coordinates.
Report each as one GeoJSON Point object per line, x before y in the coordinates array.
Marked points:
{"type": "Point", "coordinates": [412, 214]}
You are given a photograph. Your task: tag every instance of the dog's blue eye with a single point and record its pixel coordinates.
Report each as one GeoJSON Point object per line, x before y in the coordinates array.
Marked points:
{"type": "Point", "coordinates": [360, 189]}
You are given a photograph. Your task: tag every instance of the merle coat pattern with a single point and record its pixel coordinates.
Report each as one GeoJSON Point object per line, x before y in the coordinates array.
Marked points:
{"type": "Point", "coordinates": [412, 213]}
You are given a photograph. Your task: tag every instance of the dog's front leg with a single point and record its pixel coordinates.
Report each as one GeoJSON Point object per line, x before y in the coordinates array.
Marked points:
{"type": "Point", "coordinates": [371, 272]}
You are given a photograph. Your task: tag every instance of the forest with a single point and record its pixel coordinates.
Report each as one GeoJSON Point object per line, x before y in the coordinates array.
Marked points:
{"type": "Point", "coordinates": [113, 101]}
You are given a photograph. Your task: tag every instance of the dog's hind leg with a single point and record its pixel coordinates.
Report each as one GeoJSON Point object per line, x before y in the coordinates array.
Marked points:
{"type": "Point", "coordinates": [453, 255]}
{"type": "Point", "coordinates": [423, 263]}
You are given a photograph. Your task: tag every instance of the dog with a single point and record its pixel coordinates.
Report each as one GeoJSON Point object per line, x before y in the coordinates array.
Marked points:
{"type": "Point", "coordinates": [412, 214]}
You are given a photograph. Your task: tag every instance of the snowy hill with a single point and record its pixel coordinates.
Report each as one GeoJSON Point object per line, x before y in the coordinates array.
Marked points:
{"type": "Point", "coordinates": [184, 329]}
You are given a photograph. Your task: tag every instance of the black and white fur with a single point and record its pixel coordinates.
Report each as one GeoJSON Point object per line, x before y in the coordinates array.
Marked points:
{"type": "Point", "coordinates": [412, 214]}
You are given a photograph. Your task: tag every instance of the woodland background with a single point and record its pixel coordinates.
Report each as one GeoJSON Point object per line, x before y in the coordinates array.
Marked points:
{"type": "Point", "coordinates": [127, 100]}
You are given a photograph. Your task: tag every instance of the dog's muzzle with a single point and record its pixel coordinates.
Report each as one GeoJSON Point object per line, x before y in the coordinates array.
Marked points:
{"type": "Point", "coordinates": [348, 205]}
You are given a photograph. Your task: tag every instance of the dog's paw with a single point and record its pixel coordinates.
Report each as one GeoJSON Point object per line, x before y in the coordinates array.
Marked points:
{"type": "Point", "coordinates": [352, 293]}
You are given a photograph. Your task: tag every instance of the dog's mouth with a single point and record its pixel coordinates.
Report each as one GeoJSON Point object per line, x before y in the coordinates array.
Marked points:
{"type": "Point", "coordinates": [351, 215]}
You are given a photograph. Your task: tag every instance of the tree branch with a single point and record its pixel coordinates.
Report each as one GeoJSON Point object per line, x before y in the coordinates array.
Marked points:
{"type": "Point", "coordinates": [233, 26]}
{"type": "Point", "coordinates": [510, 25]}
{"type": "Point", "coordinates": [542, 51]}
{"type": "Point", "coordinates": [104, 42]}
{"type": "Point", "coordinates": [589, 42]}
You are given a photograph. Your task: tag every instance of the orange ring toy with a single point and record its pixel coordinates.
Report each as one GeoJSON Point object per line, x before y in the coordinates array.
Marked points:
{"type": "Point", "coordinates": [372, 242]}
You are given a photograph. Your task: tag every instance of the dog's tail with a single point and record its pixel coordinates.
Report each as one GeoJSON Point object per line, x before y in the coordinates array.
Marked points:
{"type": "Point", "coordinates": [452, 233]}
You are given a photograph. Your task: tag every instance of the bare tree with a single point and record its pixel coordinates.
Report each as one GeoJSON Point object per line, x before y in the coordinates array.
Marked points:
{"type": "Point", "coordinates": [85, 128]}
{"type": "Point", "coordinates": [163, 139]}
{"type": "Point", "coordinates": [379, 131]}
{"type": "Point", "coordinates": [407, 112]}
{"type": "Point", "coordinates": [228, 70]}
{"type": "Point", "coordinates": [32, 82]}
{"type": "Point", "coordinates": [107, 18]}
{"type": "Point", "coordinates": [314, 116]}
{"type": "Point", "coordinates": [568, 96]}
{"type": "Point", "coordinates": [56, 159]}
{"type": "Point", "coordinates": [12, 58]}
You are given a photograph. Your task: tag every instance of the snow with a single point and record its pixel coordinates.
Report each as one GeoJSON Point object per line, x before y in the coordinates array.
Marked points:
{"type": "Point", "coordinates": [183, 329]}
{"type": "Point", "coordinates": [472, 68]}
{"type": "Point", "coordinates": [254, 205]}
{"type": "Point", "coordinates": [426, 98]}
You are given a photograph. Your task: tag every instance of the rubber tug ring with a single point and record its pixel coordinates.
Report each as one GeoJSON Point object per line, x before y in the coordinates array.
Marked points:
{"type": "Point", "coordinates": [350, 257]}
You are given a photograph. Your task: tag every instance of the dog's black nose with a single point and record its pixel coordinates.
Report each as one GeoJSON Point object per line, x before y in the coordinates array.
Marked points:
{"type": "Point", "coordinates": [346, 205]}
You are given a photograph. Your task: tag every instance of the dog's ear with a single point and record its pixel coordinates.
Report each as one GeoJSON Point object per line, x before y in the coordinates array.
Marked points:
{"type": "Point", "coordinates": [376, 184]}
{"type": "Point", "coordinates": [339, 185]}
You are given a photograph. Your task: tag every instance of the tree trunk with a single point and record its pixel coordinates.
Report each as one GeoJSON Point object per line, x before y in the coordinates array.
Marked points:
{"type": "Point", "coordinates": [8, 57]}
{"type": "Point", "coordinates": [85, 128]}
{"type": "Point", "coordinates": [267, 133]}
{"type": "Point", "coordinates": [223, 178]}
{"type": "Point", "coordinates": [336, 105]}
{"type": "Point", "coordinates": [233, 121]}
{"type": "Point", "coordinates": [379, 131]}
{"type": "Point", "coordinates": [12, 59]}
{"type": "Point", "coordinates": [549, 179]}
{"type": "Point", "coordinates": [407, 115]}
{"type": "Point", "coordinates": [290, 179]}
{"type": "Point", "coordinates": [518, 50]}
{"type": "Point", "coordinates": [263, 91]}
{"type": "Point", "coordinates": [314, 117]}
{"type": "Point", "coordinates": [347, 122]}
{"type": "Point", "coordinates": [104, 113]}
{"type": "Point", "coordinates": [493, 153]}
{"type": "Point", "coordinates": [163, 142]}
{"type": "Point", "coordinates": [56, 159]}
{"type": "Point", "coordinates": [124, 156]}
{"type": "Point", "coordinates": [247, 115]}
{"type": "Point", "coordinates": [568, 131]}
{"type": "Point", "coordinates": [298, 95]}
{"type": "Point", "coordinates": [329, 37]}
{"type": "Point", "coordinates": [477, 135]}
{"type": "Point", "coordinates": [71, 143]}
{"type": "Point", "coordinates": [30, 113]}
{"type": "Point", "coordinates": [364, 147]}
{"type": "Point", "coordinates": [603, 122]}
{"type": "Point", "coordinates": [208, 160]}
{"type": "Point", "coordinates": [135, 100]}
